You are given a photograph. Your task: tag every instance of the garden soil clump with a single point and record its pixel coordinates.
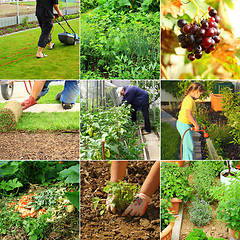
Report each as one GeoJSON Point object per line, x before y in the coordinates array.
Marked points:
{"type": "Point", "coordinates": [94, 177]}
{"type": "Point", "coordinates": [39, 146]}
{"type": "Point", "coordinates": [215, 228]}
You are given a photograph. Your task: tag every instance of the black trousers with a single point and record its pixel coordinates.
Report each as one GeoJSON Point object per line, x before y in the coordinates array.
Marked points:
{"type": "Point", "coordinates": [145, 113]}
{"type": "Point", "coordinates": [46, 25]}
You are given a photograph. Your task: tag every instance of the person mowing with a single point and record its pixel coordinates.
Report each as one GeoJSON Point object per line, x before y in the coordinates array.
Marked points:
{"type": "Point", "coordinates": [186, 117]}
{"type": "Point", "coordinates": [44, 13]}
{"type": "Point", "coordinates": [139, 99]}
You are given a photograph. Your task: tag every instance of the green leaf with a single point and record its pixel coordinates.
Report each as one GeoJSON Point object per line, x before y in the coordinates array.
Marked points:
{"type": "Point", "coordinates": [71, 174]}
{"type": "Point", "coordinates": [73, 197]}
{"type": "Point", "coordinates": [34, 237]}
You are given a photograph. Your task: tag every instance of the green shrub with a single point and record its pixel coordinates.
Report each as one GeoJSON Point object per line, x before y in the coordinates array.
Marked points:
{"type": "Point", "coordinates": [198, 234]}
{"type": "Point", "coordinates": [203, 180]}
{"type": "Point", "coordinates": [121, 45]}
{"type": "Point", "coordinates": [87, 5]}
{"type": "Point", "coordinates": [9, 30]}
{"type": "Point", "coordinates": [200, 212]}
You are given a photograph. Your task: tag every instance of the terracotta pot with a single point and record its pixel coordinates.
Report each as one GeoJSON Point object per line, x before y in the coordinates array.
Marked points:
{"type": "Point", "coordinates": [166, 234]}
{"type": "Point", "coordinates": [181, 163]}
{"type": "Point", "coordinates": [232, 234]}
{"type": "Point", "coordinates": [238, 165]}
{"type": "Point", "coordinates": [175, 205]}
{"type": "Point", "coordinates": [216, 101]}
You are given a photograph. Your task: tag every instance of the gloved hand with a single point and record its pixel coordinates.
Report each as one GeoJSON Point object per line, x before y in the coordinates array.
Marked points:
{"type": "Point", "coordinates": [138, 207]}
{"type": "Point", "coordinates": [28, 103]}
{"type": "Point", "coordinates": [109, 203]}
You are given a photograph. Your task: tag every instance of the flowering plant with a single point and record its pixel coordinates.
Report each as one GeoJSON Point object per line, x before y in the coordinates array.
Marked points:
{"type": "Point", "coordinates": [200, 212]}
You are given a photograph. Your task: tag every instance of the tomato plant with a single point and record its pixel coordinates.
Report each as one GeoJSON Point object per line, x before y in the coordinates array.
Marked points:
{"type": "Point", "coordinates": [115, 128]}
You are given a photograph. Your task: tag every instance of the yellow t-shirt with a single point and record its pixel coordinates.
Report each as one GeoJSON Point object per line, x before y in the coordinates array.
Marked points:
{"type": "Point", "coordinates": [187, 104]}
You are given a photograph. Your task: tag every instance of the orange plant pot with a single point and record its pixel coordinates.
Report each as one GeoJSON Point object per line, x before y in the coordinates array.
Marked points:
{"type": "Point", "coordinates": [216, 101]}
{"type": "Point", "coordinates": [166, 234]}
{"type": "Point", "coordinates": [238, 165]}
{"type": "Point", "coordinates": [181, 163]}
{"type": "Point", "coordinates": [175, 205]}
{"type": "Point", "coordinates": [233, 232]}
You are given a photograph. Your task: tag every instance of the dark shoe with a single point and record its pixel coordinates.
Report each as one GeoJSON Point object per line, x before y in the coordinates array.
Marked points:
{"type": "Point", "coordinates": [52, 46]}
{"type": "Point", "coordinates": [58, 96]}
{"type": "Point", "coordinates": [38, 97]}
{"type": "Point", "coordinates": [67, 105]}
{"type": "Point", "coordinates": [44, 55]}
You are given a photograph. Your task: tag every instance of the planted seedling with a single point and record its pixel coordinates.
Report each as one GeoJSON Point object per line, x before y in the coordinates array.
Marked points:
{"type": "Point", "coordinates": [123, 194]}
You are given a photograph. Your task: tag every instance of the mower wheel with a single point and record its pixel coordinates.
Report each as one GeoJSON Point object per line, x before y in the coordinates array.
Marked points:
{"type": "Point", "coordinates": [7, 91]}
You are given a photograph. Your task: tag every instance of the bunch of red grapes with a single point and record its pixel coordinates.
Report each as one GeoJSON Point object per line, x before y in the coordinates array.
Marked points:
{"type": "Point", "coordinates": [199, 38]}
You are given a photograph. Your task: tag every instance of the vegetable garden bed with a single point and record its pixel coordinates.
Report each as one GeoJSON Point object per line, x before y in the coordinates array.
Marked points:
{"type": "Point", "coordinates": [210, 207]}
{"type": "Point", "coordinates": [115, 130]}
{"type": "Point", "coordinates": [94, 177]}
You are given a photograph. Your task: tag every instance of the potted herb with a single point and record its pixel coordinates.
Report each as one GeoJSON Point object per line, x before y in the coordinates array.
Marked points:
{"type": "Point", "coordinates": [230, 171]}
{"type": "Point", "coordinates": [174, 184]}
{"type": "Point", "coordinates": [167, 220]}
{"type": "Point", "coordinates": [229, 205]}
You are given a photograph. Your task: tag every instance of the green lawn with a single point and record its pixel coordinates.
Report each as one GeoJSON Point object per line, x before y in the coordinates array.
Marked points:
{"type": "Point", "coordinates": [50, 96]}
{"type": "Point", "coordinates": [48, 121]}
{"type": "Point", "coordinates": [20, 49]}
{"type": "Point", "coordinates": [170, 142]}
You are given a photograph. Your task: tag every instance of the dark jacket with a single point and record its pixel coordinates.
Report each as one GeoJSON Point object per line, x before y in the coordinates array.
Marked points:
{"type": "Point", "coordinates": [135, 96]}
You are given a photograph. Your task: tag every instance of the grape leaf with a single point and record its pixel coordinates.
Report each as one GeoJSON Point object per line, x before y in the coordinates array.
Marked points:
{"type": "Point", "coordinates": [171, 6]}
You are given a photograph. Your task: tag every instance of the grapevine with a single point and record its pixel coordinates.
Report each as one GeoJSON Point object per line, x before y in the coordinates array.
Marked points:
{"type": "Point", "coordinates": [201, 35]}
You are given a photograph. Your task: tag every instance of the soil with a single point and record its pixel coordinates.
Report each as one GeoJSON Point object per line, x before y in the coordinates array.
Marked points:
{"type": "Point", "coordinates": [39, 146]}
{"type": "Point", "coordinates": [94, 177]}
{"type": "Point", "coordinates": [215, 228]}
{"type": "Point", "coordinates": [15, 28]}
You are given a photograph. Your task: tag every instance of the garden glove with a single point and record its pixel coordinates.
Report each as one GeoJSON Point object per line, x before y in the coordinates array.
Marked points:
{"type": "Point", "coordinates": [28, 103]}
{"type": "Point", "coordinates": [138, 207]}
{"type": "Point", "coordinates": [109, 203]}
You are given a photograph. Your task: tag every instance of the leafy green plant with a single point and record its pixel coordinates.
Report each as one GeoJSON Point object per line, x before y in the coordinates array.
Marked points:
{"type": "Point", "coordinates": [115, 128]}
{"type": "Point", "coordinates": [35, 228]}
{"type": "Point", "coordinates": [6, 186]}
{"type": "Point", "coordinates": [119, 44]}
{"type": "Point", "coordinates": [174, 181]}
{"type": "Point", "coordinates": [9, 30]}
{"type": "Point", "coordinates": [200, 212]}
{"type": "Point", "coordinates": [203, 180]}
{"type": "Point", "coordinates": [25, 21]}
{"type": "Point", "coordinates": [46, 198]}
{"type": "Point", "coordinates": [124, 195]}
{"type": "Point", "coordinates": [229, 203]}
{"type": "Point", "coordinates": [166, 215]}
{"type": "Point", "coordinates": [199, 234]}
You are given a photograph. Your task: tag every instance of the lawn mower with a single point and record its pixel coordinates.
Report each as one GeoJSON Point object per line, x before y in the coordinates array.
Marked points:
{"type": "Point", "coordinates": [66, 37]}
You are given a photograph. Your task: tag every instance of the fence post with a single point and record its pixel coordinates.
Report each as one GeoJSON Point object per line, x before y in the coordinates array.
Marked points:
{"type": "Point", "coordinates": [18, 20]}
{"type": "Point", "coordinates": [66, 10]}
